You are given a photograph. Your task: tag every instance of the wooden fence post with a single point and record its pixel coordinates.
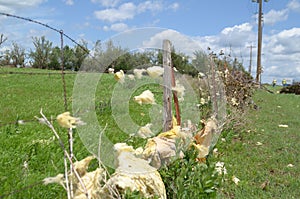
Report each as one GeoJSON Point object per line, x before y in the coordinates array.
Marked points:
{"type": "Point", "coordinates": [167, 81]}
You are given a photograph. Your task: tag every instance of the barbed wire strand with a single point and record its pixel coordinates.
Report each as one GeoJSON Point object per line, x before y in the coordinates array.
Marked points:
{"type": "Point", "coordinates": [22, 189]}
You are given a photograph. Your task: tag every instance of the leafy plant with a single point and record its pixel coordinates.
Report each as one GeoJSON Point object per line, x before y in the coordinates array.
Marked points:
{"type": "Point", "coordinates": [187, 178]}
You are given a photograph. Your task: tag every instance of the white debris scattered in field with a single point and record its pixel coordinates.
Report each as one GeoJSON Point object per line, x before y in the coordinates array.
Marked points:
{"type": "Point", "coordinates": [290, 165]}
{"type": "Point", "coordinates": [160, 149]}
{"type": "Point", "coordinates": [21, 122]}
{"type": "Point", "coordinates": [67, 121]}
{"type": "Point", "coordinates": [235, 180]}
{"type": "Point", "coordinates": [138, 73]}
{"type": "Point", "coordinates": [258, 144]}
{"type": "Point", "coordinates": [82, 165]}
{"type": "Point", "coordinates": [145, 131]}
{"type": "Point", "coordinates": [111, 70]}
{"type": "Point", "coordinates": [283, 126]}
{"type": "Point", "coordinates": [155, 71]}
{"type": "Point", "coordinates": [202, 151]}
{"type": "Point", "coordinates": [93, 183]}
{"type": "Point", "coordinates": [147, 97]}
{"type": "Point", "coordinates": [59, 179]}
{"type": "Point", "coordinates": [131, 77]}
{"type": "Point", "coordinates": [120, 76]}
{"type": "Point", "coordinates": [180, 90]}
{"type": "Point", "coordinates": [135, 174]}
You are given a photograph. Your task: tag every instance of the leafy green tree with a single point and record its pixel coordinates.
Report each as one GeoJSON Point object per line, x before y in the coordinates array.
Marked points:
{"type": "Point", "coordinates": [41, 54]}
{"type": "Point", "coordinates": [55, 59]}
{"type": "Point", "coordinates": [80, 53]}
{"type": "Point", "coordinates": [69, 58]}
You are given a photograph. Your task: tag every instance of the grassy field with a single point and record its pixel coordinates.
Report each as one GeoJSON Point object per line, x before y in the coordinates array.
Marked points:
{"type": "Point", "coordinates": [259, 154]}
{"type": "Point", "coordinates": [264, 156]}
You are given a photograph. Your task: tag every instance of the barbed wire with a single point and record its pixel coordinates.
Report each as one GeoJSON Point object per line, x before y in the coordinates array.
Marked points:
{"type": "Point", "coordinates": [34, 73]}
{"type": "Point", "coordinates": [47, 26]}
{"type": "Point", "coordinates": [22, 189]}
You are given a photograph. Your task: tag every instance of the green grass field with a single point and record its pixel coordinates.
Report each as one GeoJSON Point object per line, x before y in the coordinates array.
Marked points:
{"type": "Point", "coordinates": [261, 153]}
{"type": "Point", "coordinates": [22, 97]}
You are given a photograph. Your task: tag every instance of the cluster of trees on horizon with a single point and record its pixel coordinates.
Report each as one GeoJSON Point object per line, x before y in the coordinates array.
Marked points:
{"type": "Point", "coordinates": [107, 55]}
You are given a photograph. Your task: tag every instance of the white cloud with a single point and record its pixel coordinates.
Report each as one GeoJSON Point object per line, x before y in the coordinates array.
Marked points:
{"type": "Point", "coordinates": [236, 36]}
{"type": "Point", "coordinates": [129, 10]}
{"type": "Point", "coordinates": [69, 2]}
{"type": "Point", "coordinates": [182, 43]}
{"type": "Point", "coordinates": [294, 5]}
{"type": "Point", "coordinates": [18, 4]}
{"type": "Point", "coordinates": [13, 5]}
{"type": "Point", "coordinates": [106, 3]}
{"type": "Point", "coordinates": [152, 6]}
{"type": "Point", "coordinates": [282, 56]}
{"type": "Point", "coordinates": [125, 11]}
{"type": "Point", "coordinates": [284, 42]}
{"type": "Point", "coordinates": [174, 6]}
{"type": "Point", "coordinates": [118, 27]}
{"type": "Point", "coordinates": [274, 16]}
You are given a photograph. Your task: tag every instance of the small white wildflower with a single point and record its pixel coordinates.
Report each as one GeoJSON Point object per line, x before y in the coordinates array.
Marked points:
{"type": "Point", "coordinates": [25, 165]}
{"type": "Point", "coordinates": [202, 101]}
{"type": "Point", "coordinates": [220, 168]}
{"type": "Point", "coordinates": [290, 165]}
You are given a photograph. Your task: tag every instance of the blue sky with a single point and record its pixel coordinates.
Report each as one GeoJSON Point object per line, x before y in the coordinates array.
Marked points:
{"type": "Point", "coordinates": [230, 26]}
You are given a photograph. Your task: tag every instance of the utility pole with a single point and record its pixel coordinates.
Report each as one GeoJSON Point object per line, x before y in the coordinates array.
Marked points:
{"type": "Point", "coordinates": [250, 64]}
{"type": "Point", "coordinates": [259, 40]}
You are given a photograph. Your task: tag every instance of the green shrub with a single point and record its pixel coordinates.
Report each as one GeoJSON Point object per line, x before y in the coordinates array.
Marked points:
{"type": "Point", "coordinates": [187, 178]}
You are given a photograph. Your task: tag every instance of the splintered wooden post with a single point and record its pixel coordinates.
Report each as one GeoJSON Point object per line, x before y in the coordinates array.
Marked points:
{"type": "Point", "coordinates": [167, 96]}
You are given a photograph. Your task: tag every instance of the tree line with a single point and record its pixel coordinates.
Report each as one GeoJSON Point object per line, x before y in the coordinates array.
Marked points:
{"type": "Point", "coordinates": [45, 55]}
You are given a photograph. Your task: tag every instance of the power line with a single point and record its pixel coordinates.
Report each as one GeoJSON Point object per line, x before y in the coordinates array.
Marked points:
{"type": "Point", "coordinates": [250, 64]}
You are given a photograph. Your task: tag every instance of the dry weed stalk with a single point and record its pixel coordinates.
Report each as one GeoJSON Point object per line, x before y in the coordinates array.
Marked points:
{"type": "Point", "coordinates": [66, 156]}
{"type": "Point", "coordinates": [112, 190]}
